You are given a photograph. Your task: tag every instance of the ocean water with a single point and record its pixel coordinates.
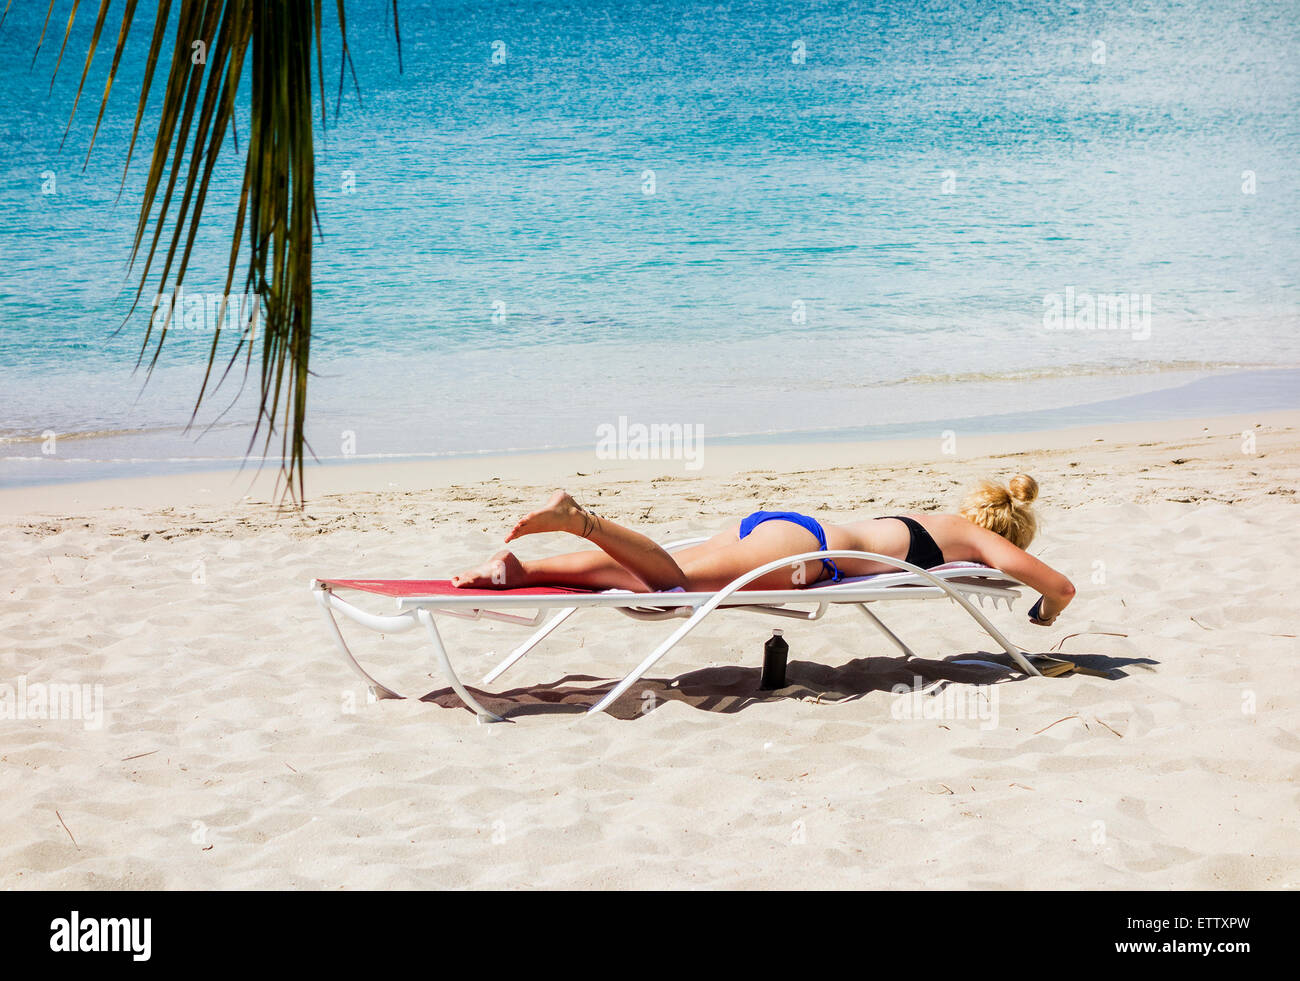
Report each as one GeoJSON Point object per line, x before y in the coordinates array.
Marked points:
{"type": "Point", "coordinates": [757, 218]}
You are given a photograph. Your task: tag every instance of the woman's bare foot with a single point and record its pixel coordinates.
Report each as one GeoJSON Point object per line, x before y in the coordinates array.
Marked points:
{"type": "Point", "coordinates": [502, 571]}
{"type": "Point", "coordinates": [561, 513]}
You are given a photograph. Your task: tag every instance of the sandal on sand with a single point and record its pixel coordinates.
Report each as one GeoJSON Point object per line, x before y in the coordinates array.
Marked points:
{"type": "Point", "coordinates": [1056, 667]}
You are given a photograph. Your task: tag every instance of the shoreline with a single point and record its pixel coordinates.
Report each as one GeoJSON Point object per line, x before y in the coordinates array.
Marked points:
{"type": "Point", "coordinates": [558, 466]}
{"type": "Point", "coordinates": [1204, 396]}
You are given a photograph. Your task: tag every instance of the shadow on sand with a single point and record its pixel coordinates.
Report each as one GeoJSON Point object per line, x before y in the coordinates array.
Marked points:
{"type": "Point", "coordinates": [734, 689]}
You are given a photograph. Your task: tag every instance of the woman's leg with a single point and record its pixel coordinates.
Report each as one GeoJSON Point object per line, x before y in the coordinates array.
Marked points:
{"type": "Point", "coordinates": [639, 555]}
{"type": "Point", "coordinates": [597, 570]}
{"type": "Point", "coordinates": [627, 560]}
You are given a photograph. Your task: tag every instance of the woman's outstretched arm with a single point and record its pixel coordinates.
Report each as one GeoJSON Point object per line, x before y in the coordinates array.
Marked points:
{"type": "Point", "coordinates": [996, 551]}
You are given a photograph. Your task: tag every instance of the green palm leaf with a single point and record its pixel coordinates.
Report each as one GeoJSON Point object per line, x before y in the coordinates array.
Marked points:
{"type": "Point", "coordinates": [276, 42]}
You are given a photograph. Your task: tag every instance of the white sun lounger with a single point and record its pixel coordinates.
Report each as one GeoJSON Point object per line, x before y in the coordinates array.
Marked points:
{"type": "Point", "coordinates": [420, 601]}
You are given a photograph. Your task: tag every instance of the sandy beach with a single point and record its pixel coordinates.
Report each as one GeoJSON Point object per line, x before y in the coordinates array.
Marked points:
{"type": "Point", "coordinates": [236, 750]}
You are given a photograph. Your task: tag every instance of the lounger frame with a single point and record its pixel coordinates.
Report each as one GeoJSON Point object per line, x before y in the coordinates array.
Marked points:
{"type": "Point", "coordinates": [911, 582]}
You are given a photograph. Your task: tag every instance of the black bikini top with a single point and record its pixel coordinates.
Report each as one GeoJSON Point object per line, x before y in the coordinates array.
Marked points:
{"type": "Point", "coordinates": [922, 549]}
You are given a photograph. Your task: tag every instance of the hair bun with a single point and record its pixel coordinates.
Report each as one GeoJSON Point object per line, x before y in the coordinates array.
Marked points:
{"type": "Point", "coordinates": [1024, 488]}
{"type": "Point", "coordinates": [993, 496]}
{"type": "Point", "coordinates": [1004, 510]}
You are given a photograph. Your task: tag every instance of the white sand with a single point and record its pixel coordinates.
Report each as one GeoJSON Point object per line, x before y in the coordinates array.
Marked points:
{"type": "Point", "coordinates": [259, 763]}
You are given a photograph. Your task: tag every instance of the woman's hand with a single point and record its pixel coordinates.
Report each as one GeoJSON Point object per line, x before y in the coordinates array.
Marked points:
{"type": "Point", "coordinates": [1036, 615]}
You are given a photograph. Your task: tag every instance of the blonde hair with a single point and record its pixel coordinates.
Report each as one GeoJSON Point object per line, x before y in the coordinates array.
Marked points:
{"type": "Point", "coordinates": [1005, 511]}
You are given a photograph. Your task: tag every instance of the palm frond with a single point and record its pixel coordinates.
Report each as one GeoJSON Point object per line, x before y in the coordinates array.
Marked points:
{"type": "Point", "coordinates": [397, 36]}
{"type": "Point", "coordinates": [49, 10]}
{"type": "Point", "coordinates": [151, 64]}
{"type": "Point", "coordinates": [90, 56]}
{"type": "Point", "coordinates": [128, 17]}
{"type": "Point", "coordinates": [346, 59]}
{"type": "Point", "coordinates": [276, 41]}
{"type": "Point", "coordinates": [66, 34]}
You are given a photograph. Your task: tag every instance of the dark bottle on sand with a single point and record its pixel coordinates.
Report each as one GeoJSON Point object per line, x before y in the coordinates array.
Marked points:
{"type": "Point", "coordinates": [774, 655]}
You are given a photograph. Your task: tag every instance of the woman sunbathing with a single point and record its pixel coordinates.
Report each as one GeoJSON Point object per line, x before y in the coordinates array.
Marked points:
{"type": "Point", "coordinates": [994, 527]}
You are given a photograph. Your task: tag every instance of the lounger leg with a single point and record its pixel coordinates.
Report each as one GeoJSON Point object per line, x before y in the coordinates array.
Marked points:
{"type": "Point", "coordinates": [880, 625]}
{"type": "Point", "coordinates": [445, 663]}
{"type": "Point", "coordinates": [653, 656]}
{"type": "Point", "coordinates": [529, 644]}
{"type": "Point", "coordinates": [1012, 651]}
{"type": "Point", "coordinates": [376, 689]}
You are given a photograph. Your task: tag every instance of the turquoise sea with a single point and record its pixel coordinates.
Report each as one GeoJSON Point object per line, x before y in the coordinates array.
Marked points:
{"type": "Point", "coordinates": [771, 220]}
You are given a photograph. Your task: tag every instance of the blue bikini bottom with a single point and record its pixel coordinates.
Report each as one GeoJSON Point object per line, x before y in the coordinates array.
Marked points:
{"type": "Point", "coordinates": [803, 521]}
